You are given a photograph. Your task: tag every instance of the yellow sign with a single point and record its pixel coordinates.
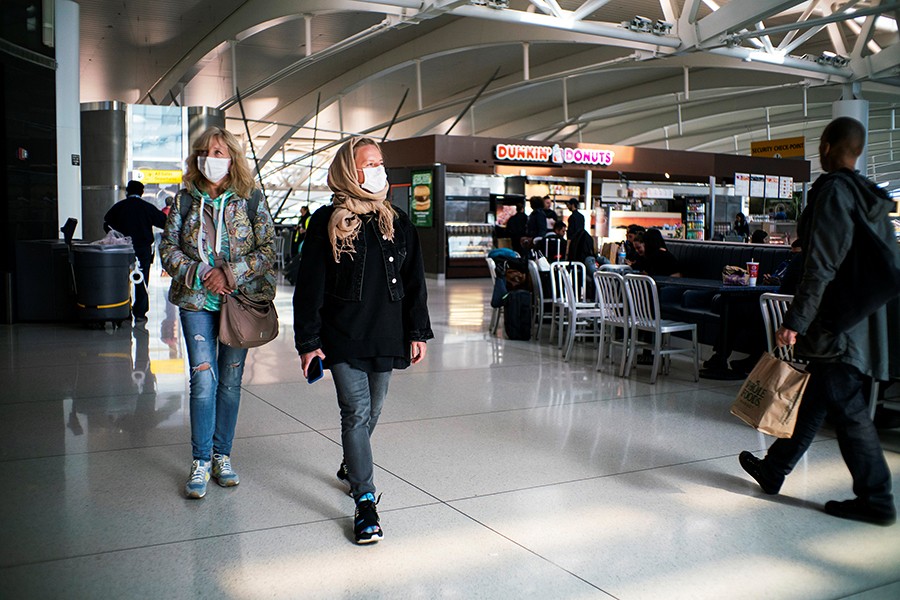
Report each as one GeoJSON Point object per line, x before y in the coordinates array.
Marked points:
{"type": "Point", "coordinates": [794, 147]}
{"type": "Point", "coordinates": [146, 176]}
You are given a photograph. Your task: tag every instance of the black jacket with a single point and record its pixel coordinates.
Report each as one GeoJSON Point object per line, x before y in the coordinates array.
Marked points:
{"type": "Point", "coordinates": [846, 307]}
{"type": "Point", "coordinates": [370, 304]}
{"type": "Point", "coordinates": [135, 218]}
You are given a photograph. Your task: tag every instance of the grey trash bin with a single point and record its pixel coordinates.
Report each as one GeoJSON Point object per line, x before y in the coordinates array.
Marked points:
{"type": "Point", "coordinates": [102, 276]}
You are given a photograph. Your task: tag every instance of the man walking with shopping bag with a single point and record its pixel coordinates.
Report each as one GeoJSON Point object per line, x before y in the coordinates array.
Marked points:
{"type": "Point", "coordinates": [842, 319]}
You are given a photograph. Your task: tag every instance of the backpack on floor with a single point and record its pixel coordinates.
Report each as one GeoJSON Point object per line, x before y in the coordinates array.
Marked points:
{"type": "Point", "coordinates": [517, 315]}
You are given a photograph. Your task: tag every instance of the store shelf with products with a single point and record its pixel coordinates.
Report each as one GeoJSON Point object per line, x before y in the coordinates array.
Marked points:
{"type": "Point", "coordinates": [695, 219]}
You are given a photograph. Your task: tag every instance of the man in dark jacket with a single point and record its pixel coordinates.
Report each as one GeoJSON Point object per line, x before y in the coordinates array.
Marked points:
{"type": "Point", "coordinates": [515, 227]}
{"type": "Point", "coordinates": [136, 219]}
{"type": "Point", "coordinates": [844, 230]}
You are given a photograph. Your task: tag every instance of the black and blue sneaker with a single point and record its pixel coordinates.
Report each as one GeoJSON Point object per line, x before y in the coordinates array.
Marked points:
{"type": "Point", "coordinates": [366, 528]}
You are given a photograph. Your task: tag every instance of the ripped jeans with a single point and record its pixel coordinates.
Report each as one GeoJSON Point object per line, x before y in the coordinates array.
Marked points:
{"type": "Point", "coordinates": [216, 389]}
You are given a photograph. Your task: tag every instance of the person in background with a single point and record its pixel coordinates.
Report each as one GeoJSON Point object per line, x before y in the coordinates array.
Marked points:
{"type": "Point", "coordinates": [576, 219]}
{"type": "Point", "coordinates": [740, 226]}
{"type": "Point", "coordinates": [631, 253]}
{"type": "Point", "coordinates": [360, 306]}
{"type": "Point", "coordinates": [845, 343]}
{"type": "Point", "coordinates": [541, 219]}
{"type": "Point", "coordinates": [555, 242]}
{"type": "Point", "coordinates": [516, 227]}
{"type": "Point", "coordinates": [656, 259]}
{"type": "Point", "coordinates": [759, 237]}
{"type": "Point", "coordinates": [136, 218]}
{"type": "Point", "coordinates": [299, 232]}
{"type": "Point", "coordinates": [580, 245]}
{"type": "Point", "coordinates": [217, 248]}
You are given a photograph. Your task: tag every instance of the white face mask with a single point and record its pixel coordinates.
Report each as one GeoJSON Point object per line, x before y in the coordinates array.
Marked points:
{"type": "Point", "coordinates": [375, 179]}
{"type": "Point", "coordinates": [214, 169]}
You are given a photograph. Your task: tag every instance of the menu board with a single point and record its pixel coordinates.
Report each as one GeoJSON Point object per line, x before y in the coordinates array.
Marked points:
{"type": "Point", "coordinates": [742, 184]}
{"type": "Point", "coordinates": [786, 188]}
{"type": "Point", "coordinates": [421, 208]}
{"type": "Point", "coordinates": [772, 186]}
{"type": "Point", "coordinates": [758, 186]}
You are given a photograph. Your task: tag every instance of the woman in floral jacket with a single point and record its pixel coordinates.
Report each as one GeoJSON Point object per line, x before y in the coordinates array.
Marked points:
{"type": "Point", "coordinates": [223, 243]}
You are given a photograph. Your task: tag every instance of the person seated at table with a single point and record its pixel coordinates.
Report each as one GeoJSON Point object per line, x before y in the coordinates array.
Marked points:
{"type": "Point", "coordinates": [759, 237]}
{"type": "Point", "coordinates": [740, 226]}
{"type": "Point", "coordinates": [631, 233]}
{"type": "Point", "coordinates": [555, 242]}
{"type": "Point", "coordinates": [655, 258]}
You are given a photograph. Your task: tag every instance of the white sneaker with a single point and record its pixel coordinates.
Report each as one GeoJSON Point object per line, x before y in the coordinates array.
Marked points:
{"type": "Point", "coordinates": [196, 485]}
{"type": "Point", "coordinates": [222, 471]}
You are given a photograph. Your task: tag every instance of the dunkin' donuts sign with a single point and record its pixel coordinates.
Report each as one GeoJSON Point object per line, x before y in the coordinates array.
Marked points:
{"type": "Point", "coordinates": [555, 154]}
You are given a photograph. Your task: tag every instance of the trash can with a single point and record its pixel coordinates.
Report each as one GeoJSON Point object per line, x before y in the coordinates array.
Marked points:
{"type": "Point", "coordinates": [102, 282]}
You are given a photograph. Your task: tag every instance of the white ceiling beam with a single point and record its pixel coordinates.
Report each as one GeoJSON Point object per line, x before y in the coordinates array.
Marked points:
{"type": "Point", "coordinates": [837, 39]}
{"type": "Point", "coordinates": [864, 35]}
{"type": "Point", "coordinates": [588, 8]}
{"type": "Point", "coordinates": [884, 64]}
{"type": "Point", "coordinates": [591, 28]}
{"type": "Point", "coordinates": [255, 16]}
{"type": "Point", "coordinates": [735, 16]}
{"type": "Point", "coordinates": [835, 17]}
{"type": "Point", "coordinates": [669, 12]}
{"type": "Point", "coordinates": [803, 17]}
{"type": "Point", "coordinates": [689, 12]}
{"type": "Point", "coordinates": [555, 9]}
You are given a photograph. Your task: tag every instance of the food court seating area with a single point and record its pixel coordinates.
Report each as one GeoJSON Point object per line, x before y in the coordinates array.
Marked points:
{"type": "Point", "coordinates": [705, 260]}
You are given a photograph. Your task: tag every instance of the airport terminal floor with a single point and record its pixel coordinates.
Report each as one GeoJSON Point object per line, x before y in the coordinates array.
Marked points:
{"type": "Point", "coordinates": [505, 473]}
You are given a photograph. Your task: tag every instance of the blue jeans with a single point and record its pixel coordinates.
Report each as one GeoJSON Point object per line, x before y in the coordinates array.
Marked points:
{"type": "Point", "coordinates": [215, 390]}
{"type": "Point", "coordinates": [360, 398]}
{"type": "Point", "coordinates": [837, 389]}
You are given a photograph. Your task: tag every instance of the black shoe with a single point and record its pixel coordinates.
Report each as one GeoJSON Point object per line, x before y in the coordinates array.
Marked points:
{"type": "Point", "coordinates": [858, 510]}
{"type": "Point", "coordinates": [645, 358]}
{"type": "Point", "coordinates": [754, 468]}
{"type": "Point", "coordinates": [344, 475]}
{"type": "Point", "coordinates": [366, 528]}
{"type": "Point", "coordinates": [716, 361]}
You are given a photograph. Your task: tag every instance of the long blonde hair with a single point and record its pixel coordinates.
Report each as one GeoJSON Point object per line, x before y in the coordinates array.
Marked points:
{"type": "Point", "coordinates": [239, 177]}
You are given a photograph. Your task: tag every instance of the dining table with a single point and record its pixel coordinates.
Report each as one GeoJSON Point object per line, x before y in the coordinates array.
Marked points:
{"type": "Point", "coordinates": [729, 294]}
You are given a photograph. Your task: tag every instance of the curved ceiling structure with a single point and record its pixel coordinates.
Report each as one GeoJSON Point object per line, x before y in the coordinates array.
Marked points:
{"type": "Point", "coordinates": [681, 74]}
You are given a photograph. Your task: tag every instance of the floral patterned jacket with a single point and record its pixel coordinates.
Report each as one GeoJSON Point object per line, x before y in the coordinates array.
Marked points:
{"type": "Point", "coordinates": [251, 248]}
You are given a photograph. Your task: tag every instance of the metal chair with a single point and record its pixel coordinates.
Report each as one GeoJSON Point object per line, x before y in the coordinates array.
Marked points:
{"type": "Point", "coordinates": [540, 304]}
{"type": "Point", "coordinates": [581, 315]}
{"type": "Point", "coordinates": [610, 287]}
{"type": "Point", "coordinates": [559, 305]}
{"type": "Point", "coordinates": [279, 253]}
{"type": "Point", "coordinates": [495, 314]}
{"type": "Point", "coordinates": [774, 307]}
{"type": "Point", "coordinates": [643, 307]}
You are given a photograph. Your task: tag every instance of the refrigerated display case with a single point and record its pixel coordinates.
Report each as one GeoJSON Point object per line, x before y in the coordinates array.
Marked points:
{"type": "Point", "coordinates": [469, 235]}
{"type": "Point", "coordinates": [695, 219]}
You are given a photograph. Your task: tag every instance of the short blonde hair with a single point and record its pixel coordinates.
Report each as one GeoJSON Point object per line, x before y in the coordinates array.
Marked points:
{"type": "Point", "coordinates": [239, 177]}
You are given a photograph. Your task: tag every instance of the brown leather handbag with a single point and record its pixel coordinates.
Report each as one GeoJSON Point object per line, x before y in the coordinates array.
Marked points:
{"type": "Point", "coordinates": [245, 323]}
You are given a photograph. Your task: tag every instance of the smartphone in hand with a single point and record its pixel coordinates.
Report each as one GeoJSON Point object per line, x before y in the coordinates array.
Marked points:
{"type": "Point", "coordinates": [314, 371]}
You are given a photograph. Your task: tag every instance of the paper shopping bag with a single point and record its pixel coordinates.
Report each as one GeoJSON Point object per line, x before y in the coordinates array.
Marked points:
{"type": "Point", "coordinates": [770, 397]}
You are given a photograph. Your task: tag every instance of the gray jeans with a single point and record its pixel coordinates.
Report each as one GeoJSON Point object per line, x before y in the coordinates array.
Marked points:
{"type": "Point", "coordinates": [360, 398]}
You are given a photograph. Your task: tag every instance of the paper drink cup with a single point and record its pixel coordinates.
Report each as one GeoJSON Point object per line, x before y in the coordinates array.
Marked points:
{"type": "Point", "coordinates": [753, 271]}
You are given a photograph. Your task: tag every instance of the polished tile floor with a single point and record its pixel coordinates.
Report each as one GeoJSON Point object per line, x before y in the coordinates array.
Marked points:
{"type": "Point", "coordinates": [506, 473]}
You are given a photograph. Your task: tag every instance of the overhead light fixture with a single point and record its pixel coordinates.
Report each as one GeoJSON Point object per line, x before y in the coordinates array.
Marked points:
{"type": "Point", "coordinates": [639, 23]}
{"type": "Point", "coordinates": [662, 28]}
{"type": "Point", "coordinates": [495, 4]}
{"type": "Point", "coordinates": [833, 60]}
